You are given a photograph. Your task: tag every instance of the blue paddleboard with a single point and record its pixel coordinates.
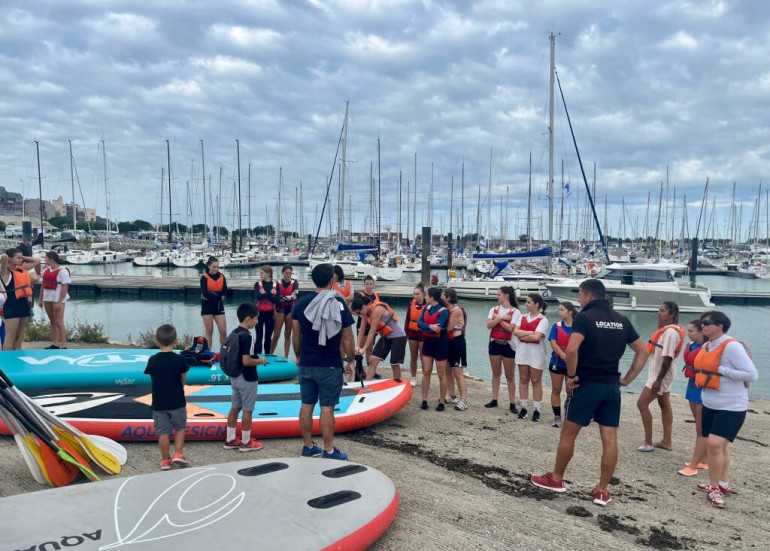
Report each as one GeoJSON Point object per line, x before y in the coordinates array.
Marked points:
{"type": "Point", "coordinates": [81, 367]}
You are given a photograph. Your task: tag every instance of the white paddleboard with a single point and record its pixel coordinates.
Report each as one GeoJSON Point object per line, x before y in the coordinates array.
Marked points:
{"type": "Point", "coordinates": [286, 504]}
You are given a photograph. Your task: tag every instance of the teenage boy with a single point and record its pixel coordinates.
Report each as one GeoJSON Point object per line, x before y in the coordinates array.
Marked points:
{"type": "Point", "coordinates": [244, 386]}
{"type": "Point", "coordinates": [168, 372]}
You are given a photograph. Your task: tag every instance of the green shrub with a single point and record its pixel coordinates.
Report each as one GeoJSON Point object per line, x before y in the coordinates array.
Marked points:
{"type": "Point", "coordinates": [92, 333]}
{"type": "Point", "coordinates": [146, 339]}
{"type": "Point", "coordinates": [38, 331]}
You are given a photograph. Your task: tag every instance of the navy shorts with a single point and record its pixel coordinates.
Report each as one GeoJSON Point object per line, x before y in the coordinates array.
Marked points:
{"type": "Point", "coordinates": [164, 420]}
{"type": "Point", "coordinates": [501, 349]}
{"type": "Point", "coordinates": [597, 401]}
{"type": "Point", "coordinates": [555, 367]}
{"type": "Point", "coordinates": [212, 307]}
{"type": "Point", "coordinates": [436, 348]}
{"type": "Point", "coordinates": [320, 385]}
{"type": "Point", "coordinates": [457, 352]}
{"type": "Point", "coordinates": [722, 423]}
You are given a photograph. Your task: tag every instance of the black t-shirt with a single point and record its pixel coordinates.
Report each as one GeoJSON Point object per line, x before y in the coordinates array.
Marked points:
{"type": "Point", "coordinates": [165, 369]}
{"type": "Point", "coordinates": [606, 334]}
{"type": "Point", "coordinates": [246, 343]}
{"type": "Point", "coordinates": [311, 353]}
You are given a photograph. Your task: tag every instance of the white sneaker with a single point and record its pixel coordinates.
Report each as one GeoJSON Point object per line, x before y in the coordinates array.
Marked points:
{"type": "Point", "coordinates": [413, 382]}
{"type": "Point", "coordinates": [462, 405]}
{"type": "Point", "coordinates": [450, 399]}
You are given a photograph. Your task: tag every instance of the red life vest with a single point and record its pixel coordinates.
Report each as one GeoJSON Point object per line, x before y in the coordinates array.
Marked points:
{"type": "Point", "coordinates": [22, 285]}
{"type": "Point", "coordinates": [707, 366]}
{"type": "Point", "coordinates": [525, 325]}
{"type": "Point", "coordinates": [49, 278]}
{"type": "Point", "coordinates": [344, 292]}
{"type": "Point", "coordinates": [415, 308]}
{"type": "Point", "coordinates": [498, 333]}
{"type": "Point", "coordinates": [562, 337]}
{"type": "Point", "coordinates": [265, 304]}
{"type": "Point", "coordinates": [383, 329]}
{"type": "Point", "coordinates": [287, 291]}
{"type": "Point", "coordinates": [653, 342]}
{"type": "Point", "coordinates": [431, 319]}
{"type": "Point", "coordinates": [214, 285]}
{"type": "Point", "coordinates": [690, 353]}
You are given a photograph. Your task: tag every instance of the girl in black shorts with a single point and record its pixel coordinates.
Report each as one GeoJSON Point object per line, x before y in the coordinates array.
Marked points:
{"type": "Point", "coordinates": [213, 292]}
{"type": "Point", "coordinates": [433, 323]}
{"type": "Point", "coordinates": [18, 281]}
{"type": "Point", "coordinates": [288, 290]}
{"type": "Point", "coordinates": [501, 322]}
{"type": "Point", "coordinates": [412, 330]}
{"type": "Point", "coordinates": [458, 319]}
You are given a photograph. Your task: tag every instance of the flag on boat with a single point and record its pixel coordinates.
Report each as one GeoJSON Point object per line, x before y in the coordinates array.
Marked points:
{"type": "Point", "coordinates": [483, 242]}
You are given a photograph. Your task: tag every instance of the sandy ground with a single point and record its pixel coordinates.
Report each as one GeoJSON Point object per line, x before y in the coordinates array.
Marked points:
{"type": "Point", "coordinates": [463, 478]}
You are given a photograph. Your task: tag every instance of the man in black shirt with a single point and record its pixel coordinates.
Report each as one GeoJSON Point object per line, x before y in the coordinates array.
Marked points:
{"type": "Point", "coordinates": [598, 341]}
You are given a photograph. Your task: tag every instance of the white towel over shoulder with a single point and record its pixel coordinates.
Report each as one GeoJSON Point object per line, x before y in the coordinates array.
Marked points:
{"type": "Point", "coordinates": [325, 313]}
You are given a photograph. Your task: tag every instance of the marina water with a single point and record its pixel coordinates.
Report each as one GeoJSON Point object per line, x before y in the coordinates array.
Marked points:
{"type": "Point", "coordinates": [125, 319]}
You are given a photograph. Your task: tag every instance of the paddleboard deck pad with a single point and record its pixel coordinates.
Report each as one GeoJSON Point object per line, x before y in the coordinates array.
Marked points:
{"type": "Point", "coordinates": [125, 413]}
{"type": "Point", "coordinates": [82, 367]}
{"type": "Point", "coordinates": [296, 503]}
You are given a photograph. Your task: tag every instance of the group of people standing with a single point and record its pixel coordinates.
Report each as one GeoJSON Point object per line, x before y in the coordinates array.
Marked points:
{"type": "Point", "coordinates": [19, 272]}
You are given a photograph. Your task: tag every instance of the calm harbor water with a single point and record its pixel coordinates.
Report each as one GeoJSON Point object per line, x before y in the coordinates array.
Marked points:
{"type": "Point", "coordinates": [126, 319]}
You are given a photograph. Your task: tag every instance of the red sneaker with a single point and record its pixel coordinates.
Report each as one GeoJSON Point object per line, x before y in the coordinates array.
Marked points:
{"type": "Point", "coordinates": [233, 444]}
{"type": "Point", "coordinates": [165, 464]}
{"type": "Point", "coordinates": [179, 460]}
{"type": "Point", "coordinates": [547, 482]}
{"type": "Point", "coordinates": [601, 498]}
{"type": "Point", "coordinates": [707, 488]}
{"type": "Point", "coordinates": [252, 446]}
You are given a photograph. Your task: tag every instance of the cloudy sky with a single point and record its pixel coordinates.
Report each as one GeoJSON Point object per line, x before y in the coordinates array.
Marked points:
{"type": "Point", "coordinates": [677, 85]}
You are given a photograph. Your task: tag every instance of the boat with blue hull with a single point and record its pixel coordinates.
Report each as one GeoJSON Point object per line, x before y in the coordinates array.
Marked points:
{"type": "Point", "coordinates": [81, 367]}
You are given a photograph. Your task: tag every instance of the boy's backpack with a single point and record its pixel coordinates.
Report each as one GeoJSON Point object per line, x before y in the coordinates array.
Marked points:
{"type": "Point", "coordinates": [198, 353]}
{"type": "Point", "coordinates": [229, 360]}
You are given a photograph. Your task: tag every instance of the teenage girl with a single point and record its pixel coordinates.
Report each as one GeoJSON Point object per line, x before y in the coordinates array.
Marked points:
{"type": "Point", "coordinates": [433, 323]}
{"type": "Point", "coordinates": [288, 290]}
{"type": "Point", "coordinates": [502, 321]}
{"type": "Point", "coordinates": [531, 354]}
{"type": "Point", "coordinates": [213, 292]}
{"type": "Point", "coordinates": [18, 281]}
{"type": "Point", "coordinates": [559, 338]}
{"type": "Point", "coordinates": [693, 396]}
{"type": "Point", "coordinates": [412, 330]}
{"type": "Point", "coordinates": [53, 297]}
{"type": "Point", "coordinates": [457, 356]}
{"type": "Point", "coordinates": [266, 297]}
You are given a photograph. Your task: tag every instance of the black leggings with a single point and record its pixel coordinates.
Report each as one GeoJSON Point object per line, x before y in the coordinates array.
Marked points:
{"type": "Point", "coordinates": [265, 327]}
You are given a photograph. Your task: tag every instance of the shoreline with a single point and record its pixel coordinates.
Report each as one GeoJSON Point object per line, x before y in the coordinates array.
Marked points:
{"type": "Point", "coordinates": [463, 479]}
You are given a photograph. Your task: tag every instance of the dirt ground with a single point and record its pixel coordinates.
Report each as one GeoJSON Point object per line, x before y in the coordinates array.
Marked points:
{"type": "Point", "coordinates": [463, 480]}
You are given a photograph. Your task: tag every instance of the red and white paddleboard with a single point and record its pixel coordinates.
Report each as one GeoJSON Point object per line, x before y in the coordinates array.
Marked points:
{"type": "Point", "coordinates": [285, 504]}
{"type": "Point", "coordinates": [124, 413]}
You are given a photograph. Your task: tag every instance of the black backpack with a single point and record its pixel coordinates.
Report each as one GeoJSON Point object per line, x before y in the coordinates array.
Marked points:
{"type": "Point", "coordinates": [229, 360]}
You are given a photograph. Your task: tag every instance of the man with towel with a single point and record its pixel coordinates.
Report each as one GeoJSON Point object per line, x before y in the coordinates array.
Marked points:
{"type": "Point", "coordinates": [322, 326]}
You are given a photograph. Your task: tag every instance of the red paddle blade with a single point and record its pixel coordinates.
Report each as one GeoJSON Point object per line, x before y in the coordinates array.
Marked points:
{"type": "Point", "coordinates": [59, 471]}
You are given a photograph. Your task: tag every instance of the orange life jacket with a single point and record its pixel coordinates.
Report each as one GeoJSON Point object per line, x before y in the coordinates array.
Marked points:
{"type": "Point", "coordinates": [214, 285]}
{"type": "Point", "coordinates": [265, 304]}
{"type": "Point", "coordinates": [287, 291]}
{"type": "Point", "coordinates": [374, 297]}
{"type": "Point", "coordinates": [498, 333]}
{"type": "Point", "coordinates": [653, 342]}
{"type": "Point", "coordinates": [22, 285]}
{"type": "Point", "coordinates": [383, 329]}
{"type": "Point", "coordinates": [707, 366]}
{"type": "Point", "coordinates": [49, 278]}
{"type": "Point", "coordinates": [415, 308]}
{"type": "Point", "coordinates": [344, 292]}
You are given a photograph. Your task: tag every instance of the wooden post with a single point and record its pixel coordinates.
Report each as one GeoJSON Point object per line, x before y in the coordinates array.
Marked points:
{"type": "Point", "coordinates": [426, 246]}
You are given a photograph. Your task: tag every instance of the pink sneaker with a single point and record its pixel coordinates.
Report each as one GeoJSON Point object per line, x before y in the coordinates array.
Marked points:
{"type": "Point", "coordinates": [601, 498]}
{"type": "Point", "coordinates": [165, 464]}
{"type": "Point", "coordinates": [252, 446]}
{"type": "Point", "coordinates": [179, 460]}
{"type": "Point", "coordinates": [547, 482]}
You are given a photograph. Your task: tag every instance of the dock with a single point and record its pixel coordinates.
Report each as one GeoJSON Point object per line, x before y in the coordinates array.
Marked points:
{"type": "Point", "coordinates": [144, 287]}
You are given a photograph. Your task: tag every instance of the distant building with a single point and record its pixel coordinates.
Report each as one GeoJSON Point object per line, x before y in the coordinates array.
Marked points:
{"type": "Point", "coordinates": [67, 209]}
{"type": "Point", "coordinates": [32, 209]}
{"type": "Point", "coordinates": [11, 203]}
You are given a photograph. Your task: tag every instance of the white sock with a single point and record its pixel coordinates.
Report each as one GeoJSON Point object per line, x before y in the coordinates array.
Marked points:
{"type": "Point", "coordinates": [246, 436]}
{"type": "Point", "coordinates": [523, 404]}
{"type": "Point", "coordinates": [724, 484]}
{"type": "Point", "coordinates": [230, 434]}
{"type": "Point", "coordinates": [536, 405]}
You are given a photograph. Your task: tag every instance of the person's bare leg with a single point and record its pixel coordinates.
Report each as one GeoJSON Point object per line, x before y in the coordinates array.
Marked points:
{"type": "Point", "coordinates": [496, 362]}
{"type": "Point", "coordinates": [509, 366]}
{"type": "Point", "coordinates": [609, 437]}
{"type": "Point", "coordinates": [567, 436]}
{"type": "Point", "coordinates": [643, 403]}
{"type": "Point", "coordinates": [667, 416]}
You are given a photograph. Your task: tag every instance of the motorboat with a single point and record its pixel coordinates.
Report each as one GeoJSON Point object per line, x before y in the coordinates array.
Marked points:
{"type": "Point", "coordinates": [640, 287]}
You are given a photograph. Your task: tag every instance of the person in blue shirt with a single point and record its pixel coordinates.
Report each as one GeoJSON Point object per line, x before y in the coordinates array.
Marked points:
{"type": "Point", "coordinates": [559, 338]}
{"type": "Point", "coordinates": [433, 324]}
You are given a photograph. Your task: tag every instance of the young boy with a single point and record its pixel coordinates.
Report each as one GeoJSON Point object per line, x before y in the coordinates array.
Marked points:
{"type": "Point", "coordinates": [168, 372]}
{"type": "Point", "coordinates": [244, 386]}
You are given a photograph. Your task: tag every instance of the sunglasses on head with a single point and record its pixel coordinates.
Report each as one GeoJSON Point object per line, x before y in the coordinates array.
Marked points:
{"type": "Point", "coordinates": [708, 322]}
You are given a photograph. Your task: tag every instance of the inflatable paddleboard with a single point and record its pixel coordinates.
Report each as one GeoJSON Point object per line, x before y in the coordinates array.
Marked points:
{"type": "Point", "coordinates": [81, 367]}
{"type": "Point", "coordinates": [296, 503]}
{"type": "Point", "coordinates": [125, 413]}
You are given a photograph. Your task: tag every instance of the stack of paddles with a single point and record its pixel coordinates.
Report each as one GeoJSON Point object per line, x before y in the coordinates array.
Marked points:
{"type": "Point", "coordinates": [55, 451]}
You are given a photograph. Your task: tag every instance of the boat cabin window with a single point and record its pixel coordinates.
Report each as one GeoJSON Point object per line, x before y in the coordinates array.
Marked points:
{"type": "Point", "coordinates": [632, 276]}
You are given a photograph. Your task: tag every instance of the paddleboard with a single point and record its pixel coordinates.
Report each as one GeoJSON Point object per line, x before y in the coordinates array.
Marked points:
{"type": "Point", "coordinates": [295, 503]}
{"type": "Point", "coordinates": [81, 367]}
{"type": "Point", "coordinates": [125, 413]}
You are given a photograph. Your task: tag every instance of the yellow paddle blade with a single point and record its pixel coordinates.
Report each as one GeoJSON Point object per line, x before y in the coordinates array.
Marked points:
{"type": "Point", "coordinates": [104, 459]}
{"type": "Point", "coordinates": [31, 445]}
{"type": "Point", "coordinates": [71, 440]}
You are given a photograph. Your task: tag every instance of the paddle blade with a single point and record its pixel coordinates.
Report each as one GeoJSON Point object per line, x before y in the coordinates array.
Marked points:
{"type": "Point", "coordinates": [60, 472]}
{"type": "Point", "coordinates": [68, 454]}
{"type": "Point", "coordinates": [101, 457]}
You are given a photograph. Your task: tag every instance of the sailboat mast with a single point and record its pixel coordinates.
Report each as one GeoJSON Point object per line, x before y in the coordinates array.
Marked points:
{"type": "Point", "coordinates": [240, 223]}
{"type": "Point", "coordinates": [106, 193]}
{"type": "Point", "coordinates": [550, 139]}
{"type": "Point", "coordinates": [489, 201]}
{"type": "Point", "coordinates": [40, 191]}
{"type": "Point", "coordinates": [72, 180]}
{"type": "Point", "coordinates": [462, 206]}
{"type": "Point", "coordinates": [342, 173]}
{"type": "Point", "coordinates": [203, 179]}
{"type": "Point", "coordinates": [168, 164]}
{"type": "Point", "coordinates": [379, 201]}
{"type": "Point", "coordinates": [529, 206]}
